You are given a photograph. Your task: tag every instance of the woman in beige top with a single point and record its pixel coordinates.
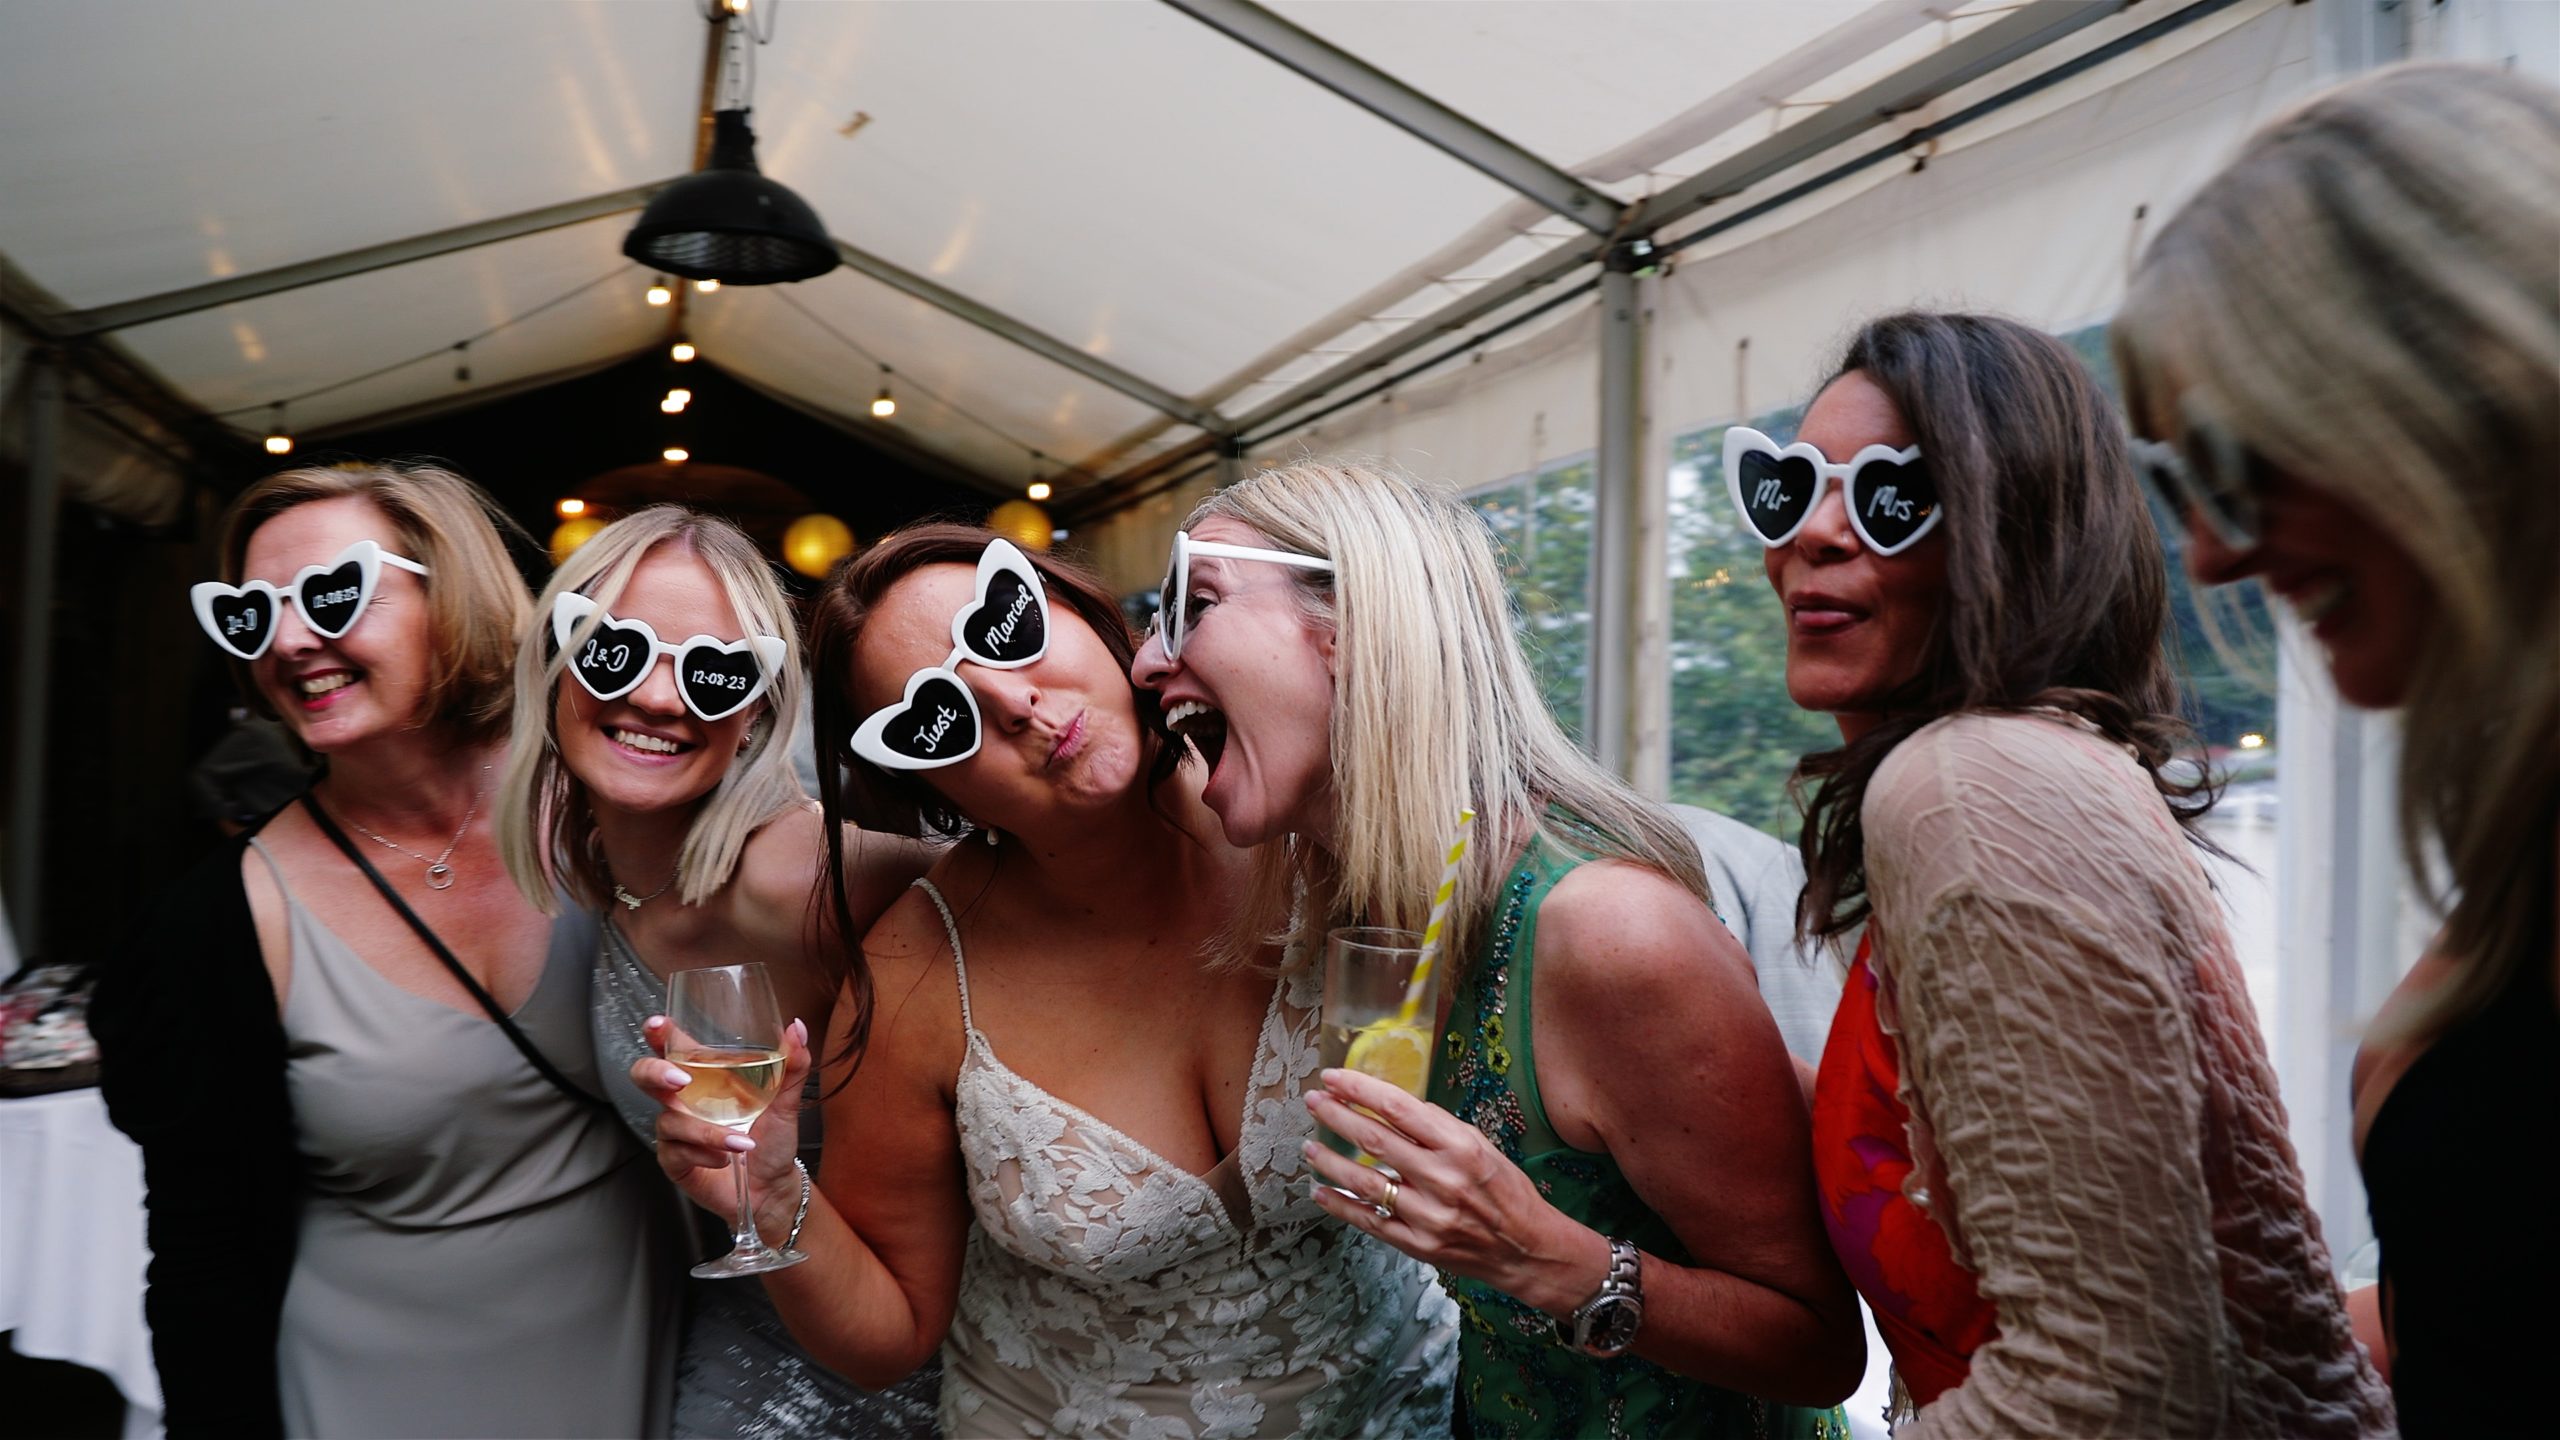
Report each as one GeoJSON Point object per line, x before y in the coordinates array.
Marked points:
{"type": "Point", "coordinates": [2046, 1133]}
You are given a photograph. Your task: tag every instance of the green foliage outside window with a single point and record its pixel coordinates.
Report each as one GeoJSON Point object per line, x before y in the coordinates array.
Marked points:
{"type": "Point", "coordinates": [1735, 736]}
{"type": "Point", "coordinates": [1543, 522]}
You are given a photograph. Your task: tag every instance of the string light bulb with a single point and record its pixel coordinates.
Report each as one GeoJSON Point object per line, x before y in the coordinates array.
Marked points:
{"type": "Point", "coordinates": [573, 506]}
{"type": "Point", "coordinates": [279, 439]}
{"type": "Point", "coordinates": [671, 406]}
{"type": "Point", "coordinates": [659, 294]}
{"type": "Point", "coordinates": [675, 454]}
{"type": "Point", "coordinates": [884, 404]}
{"type": "Point", "coordinates": [705, 287]}
{"type": "Point", "coordinates": [1040, 490]}
{"type": "Point", "coordinates": [681, 351]}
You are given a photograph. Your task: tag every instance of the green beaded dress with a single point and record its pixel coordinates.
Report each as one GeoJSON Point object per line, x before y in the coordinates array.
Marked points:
{"type": "Point", "coordinates": [1515, 1378]}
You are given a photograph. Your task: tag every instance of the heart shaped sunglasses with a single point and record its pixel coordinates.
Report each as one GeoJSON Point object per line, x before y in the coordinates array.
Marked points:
{"type": "Point", "coordinates": [611, 656]}
{"type": "Point", "coordinates": [1776, 488]}
{"type": "Point", "coordinates": [332, 598]}
{"type": "Point", "coordinates": [1005, 626]}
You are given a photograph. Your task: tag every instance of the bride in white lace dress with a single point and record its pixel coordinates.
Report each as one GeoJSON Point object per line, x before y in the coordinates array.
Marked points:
{"type": "Point", "coordinates": [1068, 1155]}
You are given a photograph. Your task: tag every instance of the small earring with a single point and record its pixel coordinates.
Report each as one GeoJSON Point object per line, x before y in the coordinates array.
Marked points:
{"type": "Point", "coordinates": [994, 838]}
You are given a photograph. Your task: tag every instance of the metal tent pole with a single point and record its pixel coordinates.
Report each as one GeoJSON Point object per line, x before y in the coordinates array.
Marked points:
{"type": "Point", "coordinates": [1615, 651]}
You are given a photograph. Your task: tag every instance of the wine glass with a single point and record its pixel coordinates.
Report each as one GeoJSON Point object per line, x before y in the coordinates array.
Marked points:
{"type": "Point", "coordinates": [724, 1029]}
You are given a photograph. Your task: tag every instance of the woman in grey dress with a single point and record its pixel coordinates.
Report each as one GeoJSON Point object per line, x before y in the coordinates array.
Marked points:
{"type": "Point", "coordinates": [371, 1213]}
{"type": "Point", "coordinates": [663, 796]}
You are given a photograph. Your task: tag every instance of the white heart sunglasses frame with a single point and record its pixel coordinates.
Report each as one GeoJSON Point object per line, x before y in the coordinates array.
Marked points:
{"type": "Point", "coordinates": [369, 558]}
{"type": "Point", "coordinates": [1173, 601]}
{"type": "Point", "coordinates": [571, 610]}
{"type": "Point", "coordinates": [1742, 440]}
{"type": "Point", "coordinates": [1001, 557]}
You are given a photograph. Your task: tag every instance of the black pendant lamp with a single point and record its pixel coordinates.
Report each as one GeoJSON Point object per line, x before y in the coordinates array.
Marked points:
{"type": "Point", "coordinates": [727, 222]}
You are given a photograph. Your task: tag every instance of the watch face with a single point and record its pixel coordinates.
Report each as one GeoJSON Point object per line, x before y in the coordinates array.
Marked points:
{"type": "Point", "coordinates": [1609, 1325]}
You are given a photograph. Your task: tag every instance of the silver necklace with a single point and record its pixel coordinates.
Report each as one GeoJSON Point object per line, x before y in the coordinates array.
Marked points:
{"type": "Point", "coordinates": [439, 874]}
{"type": "Point", "coordinates": [634, 902]}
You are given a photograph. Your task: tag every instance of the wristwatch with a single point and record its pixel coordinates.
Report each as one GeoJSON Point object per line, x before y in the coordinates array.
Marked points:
{"type": "Point", "coordinates": [1605, 1325]}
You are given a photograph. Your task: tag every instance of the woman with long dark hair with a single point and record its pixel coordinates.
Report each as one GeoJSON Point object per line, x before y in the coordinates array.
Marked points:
{"type": "Point", "coordinates": [2046, 1130]}
{"type": "Point", "coordinates": [1062, 1146]}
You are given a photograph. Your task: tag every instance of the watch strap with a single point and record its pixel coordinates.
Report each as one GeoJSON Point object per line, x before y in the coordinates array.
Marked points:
{"type": "Point", "coordinates": [1624, 1281]}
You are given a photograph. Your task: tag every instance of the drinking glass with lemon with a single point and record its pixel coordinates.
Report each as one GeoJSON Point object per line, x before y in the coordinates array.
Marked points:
{"type": "Point", "coordinates": [1372, 1021]}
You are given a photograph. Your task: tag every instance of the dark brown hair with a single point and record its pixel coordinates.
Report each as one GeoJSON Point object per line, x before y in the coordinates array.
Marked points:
{"type": "Point", "coordinates": [2057, 589]}
{"type": "Point", "coordinates": [849, 786]}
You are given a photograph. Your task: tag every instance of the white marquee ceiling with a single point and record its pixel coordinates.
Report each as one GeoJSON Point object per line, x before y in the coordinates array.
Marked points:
{"type": "Point", "coordinates": [1111, 172]}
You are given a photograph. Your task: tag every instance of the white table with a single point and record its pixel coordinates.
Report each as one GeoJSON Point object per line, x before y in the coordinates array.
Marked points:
{"type": "Point", "coordinates": [71, 1246]}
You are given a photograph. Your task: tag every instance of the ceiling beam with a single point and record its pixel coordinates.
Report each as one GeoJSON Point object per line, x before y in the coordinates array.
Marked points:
{"type": "Point", "coordinates": [173, 303]}
{"type": "Point", "coordinates": [2014, 35]}
{"type": "Point", "coordinates": [1408, 109]}
{"type": "Point", "coordinates": [1956, 64]}
{"type": "Point", "coordinates": [1038, 342]}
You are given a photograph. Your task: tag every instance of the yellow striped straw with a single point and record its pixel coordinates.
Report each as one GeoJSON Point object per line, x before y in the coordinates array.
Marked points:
{"type": "Point", "coordinates": [1439, 920]}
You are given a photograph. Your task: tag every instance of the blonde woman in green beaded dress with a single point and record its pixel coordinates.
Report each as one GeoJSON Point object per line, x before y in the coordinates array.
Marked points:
{"type": "Point", "coordinates": [1612, 1171]}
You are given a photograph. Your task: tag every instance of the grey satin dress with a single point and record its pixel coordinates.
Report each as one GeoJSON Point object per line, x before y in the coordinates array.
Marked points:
{"type": "Point", "coordinates": [478, 1254]}
{"type": "Point", "coordinates": [739, 1372]}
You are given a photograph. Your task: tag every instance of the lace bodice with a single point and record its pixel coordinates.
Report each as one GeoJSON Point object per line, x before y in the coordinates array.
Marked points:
{"type": "Point", "coordinates": [1109, 1292]}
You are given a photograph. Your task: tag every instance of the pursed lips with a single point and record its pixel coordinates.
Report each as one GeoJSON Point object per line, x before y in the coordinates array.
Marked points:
{"type": "Point", "coordinates": [1070, 740]}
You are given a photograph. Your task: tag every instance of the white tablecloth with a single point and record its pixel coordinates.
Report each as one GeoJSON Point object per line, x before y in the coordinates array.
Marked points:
{"type": "Point", "coordinates": [71, 1247]}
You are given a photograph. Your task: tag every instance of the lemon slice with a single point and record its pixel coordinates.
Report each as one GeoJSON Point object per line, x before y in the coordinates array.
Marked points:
{"type": "Point", "coordinates": [1393, 1051]}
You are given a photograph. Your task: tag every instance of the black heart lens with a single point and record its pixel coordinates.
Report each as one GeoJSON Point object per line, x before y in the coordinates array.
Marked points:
{"type": "Point", "coordinates": [1777, 490]}
{"type": "Point", "coordinates": [613, 659]}
{"type": "Point", "coordinates": [938, 724]}
{"type": "Point", "coordinates": [244, 620]}
{"type": "Point", "coordinates": [1007, 626]}
{"type": "Point", "coordinates": [330, 602]}
{"type": "Point", "coordinates": [1894, 499]}
{"type": "Point", "coordinates": [716, 682]}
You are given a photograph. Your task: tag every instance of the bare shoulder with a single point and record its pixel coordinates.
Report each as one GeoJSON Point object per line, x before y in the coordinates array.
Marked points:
{"type": "Point", "coordinates": [771, 890]}
{"type": "Point", "coordinates": [1617, 936]}
{"type": "Point", "coordinates": [915, 990]}
{"type": "Point", "coordinates": [1636, 975]}
{"type": "Point", "coordinates": [783, 855]}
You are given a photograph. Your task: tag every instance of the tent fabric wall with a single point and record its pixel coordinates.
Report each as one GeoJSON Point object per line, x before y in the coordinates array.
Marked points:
{"type": "Point", "coordinates": [2034, 215]}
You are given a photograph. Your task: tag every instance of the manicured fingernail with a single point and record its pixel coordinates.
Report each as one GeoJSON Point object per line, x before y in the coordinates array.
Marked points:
{"type": "Point", "coordinates": [674, 1077]}
{"type": "Point", "coordinates": [738, 1143]}
{"type": "Point", "coordinates": [799, 1033]}
{"type": "Point", "coordinates": [1308, 1148]}
{"type": "Point", "coordinates": [654, 1022]}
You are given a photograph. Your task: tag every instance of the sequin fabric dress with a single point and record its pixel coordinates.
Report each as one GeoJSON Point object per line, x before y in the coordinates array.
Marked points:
{"type": "Point", "coordinates": [1516, 1378]}
{"type": "Point", "coordinates": [739, 1372]}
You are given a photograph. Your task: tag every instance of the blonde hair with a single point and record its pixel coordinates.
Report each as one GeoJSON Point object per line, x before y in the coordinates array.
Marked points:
{"type": "Point", "coordinates": [1434, 710]}
{"type": "Point", "coordinates": [2369, 297]}
{"type": "Point", "coordinates": [475, 595]}
{"type": "Point", "coordinates": [539, 801]}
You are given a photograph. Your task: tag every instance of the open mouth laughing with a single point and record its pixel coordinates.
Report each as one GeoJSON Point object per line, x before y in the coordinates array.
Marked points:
{"type": "Point", "coordinates": [1203, 727]}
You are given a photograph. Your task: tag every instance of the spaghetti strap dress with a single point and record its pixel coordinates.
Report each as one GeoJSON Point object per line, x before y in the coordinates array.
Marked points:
{"type": "Point", "coordinates": [478, 1254]}
{"type": "Point", "coordinates": [1109, 1292]}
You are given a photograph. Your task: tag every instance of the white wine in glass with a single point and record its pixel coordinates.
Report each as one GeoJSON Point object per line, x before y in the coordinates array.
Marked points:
{"type": "Point", "coordinates": [724, 1030]}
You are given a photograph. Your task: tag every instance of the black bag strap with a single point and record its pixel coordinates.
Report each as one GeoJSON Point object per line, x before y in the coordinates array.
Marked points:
{"type": "Point", "coordinates": [488, 1002]}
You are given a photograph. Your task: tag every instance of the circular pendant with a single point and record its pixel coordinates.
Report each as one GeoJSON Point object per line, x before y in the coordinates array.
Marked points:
{"type": "Point", "coordinates": [439, 877]}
